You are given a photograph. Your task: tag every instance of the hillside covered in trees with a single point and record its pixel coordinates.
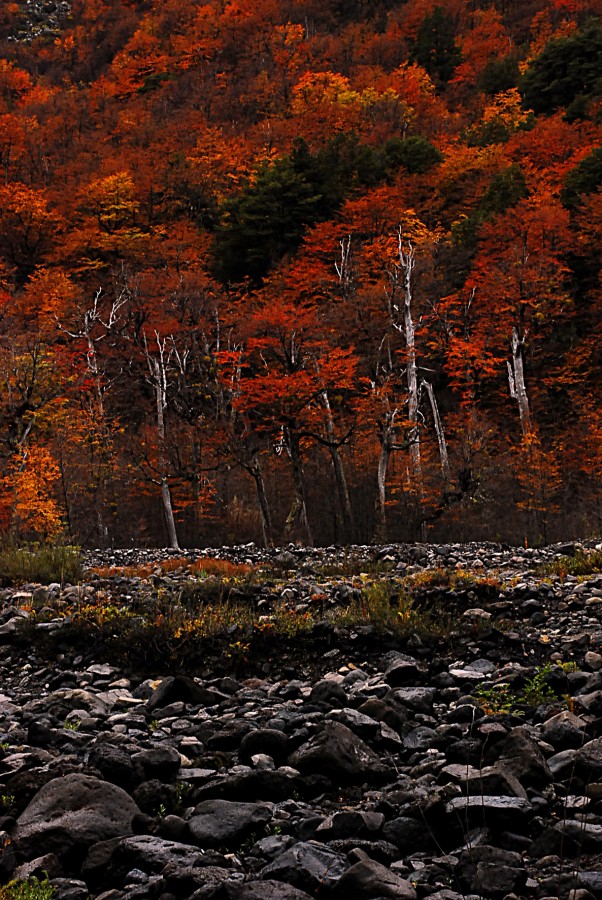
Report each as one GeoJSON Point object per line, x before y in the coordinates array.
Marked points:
{"type": "Point", "coordinates": [300, 270]}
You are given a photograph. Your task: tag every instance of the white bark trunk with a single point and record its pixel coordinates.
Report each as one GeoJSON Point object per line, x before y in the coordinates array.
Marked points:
{"type": "Point", "coordinates": [381, 512]}
{"type": "Point", "coordinates": [160, 379]}
{"type": "Point", "coordinates": [407, 262]}
{"type": "Point", "coordinates": [443, 455]}
{"type": "Point", "coordinates": [516, 381]}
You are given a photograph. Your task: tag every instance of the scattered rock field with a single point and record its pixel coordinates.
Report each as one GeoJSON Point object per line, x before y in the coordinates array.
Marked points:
{"type": "Point", "coordinates": [352, 762]}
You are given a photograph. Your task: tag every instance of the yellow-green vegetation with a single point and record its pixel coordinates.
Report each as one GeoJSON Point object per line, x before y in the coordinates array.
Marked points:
{"type": "Point", "coordinates": [200, 568]}
{"type": "Point", "coordinates": [30, 889]}
{"type": "Point", "coordinates": [388, 606]}
{"type": "Point", "coordinates": [214, 604]}
{"type": "Point", "coordinates": [354, 564]}
{"type": "Point", "coordinates": [584, 562]}
{"type": "Point", "coordinates": [40, 563]}
{"type": "Point", "coordinates": [452, 580]}
{"type": "Point", "coordinates": [501, 698]}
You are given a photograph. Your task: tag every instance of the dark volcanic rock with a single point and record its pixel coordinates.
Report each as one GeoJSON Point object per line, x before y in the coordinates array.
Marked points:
{"type": "Point", "coordinates": [70, 814]}
{"type": "Point", "coordinates": [355, 763]}
{"type": "Point", "coordinates": [337, 752]}
{"type": "Point", "coordinates": [221, 823]}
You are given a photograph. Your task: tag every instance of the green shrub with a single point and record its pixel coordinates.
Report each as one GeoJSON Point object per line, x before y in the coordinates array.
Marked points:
{"type": "Point", "coordinates": [40, 563]}
{"type": "Point", "coordinates": [582, 563]}
{"type": "Point", "coordinates": [31, 889]}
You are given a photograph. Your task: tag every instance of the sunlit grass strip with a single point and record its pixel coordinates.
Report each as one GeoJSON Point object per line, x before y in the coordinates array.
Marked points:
{"type": "Point", "coordinates": [180, 617]}
{"type": "Point", "coordinates": [40, 563]}
{"type": "Point", "coordinates": [582, 563]}
{"type": "Point", "coordinates": [220, 568]}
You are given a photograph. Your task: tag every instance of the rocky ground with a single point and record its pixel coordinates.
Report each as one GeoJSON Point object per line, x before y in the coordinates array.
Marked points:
{"type": "Point", "coordinates": [40, 19]}
{"type": "Point", "coordinates": [356, 763]}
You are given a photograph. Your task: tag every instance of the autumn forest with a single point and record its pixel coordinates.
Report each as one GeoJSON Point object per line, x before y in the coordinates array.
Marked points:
{"type": "Point", "coordinates": [300, 270]}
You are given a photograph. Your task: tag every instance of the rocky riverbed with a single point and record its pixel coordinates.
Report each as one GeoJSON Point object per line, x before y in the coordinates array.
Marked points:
{"type": "Point", "coordinates": [353, 762]}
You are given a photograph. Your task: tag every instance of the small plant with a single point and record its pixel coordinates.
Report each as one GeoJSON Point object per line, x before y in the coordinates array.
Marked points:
{"type": "Point", "coordinates": [495, 699]}
{"type": "Point", "coordinates": [30, 889]}
{"type": "Point", "coordinates": [536, 691]}
{"type": "Point", "coordinates": [500, 698]}
{"type": "Point", "coordinates": [72, 724]}
{"type": "Point", "coordinates": [6, 801]}
{"type": "Point", "coordinates": [182, 790]}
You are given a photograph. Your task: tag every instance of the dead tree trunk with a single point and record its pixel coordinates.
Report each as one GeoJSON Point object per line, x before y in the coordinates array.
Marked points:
{"type": "Point", "coordinates": [380, 531]}
{"type": "Point", "coordinates": [407, 261]}
{"type": "Point", "coordinates": [443, 455]}
{"type": "Point", "coordinates": [297, 517]}
{"type": "Point", "coordinates": [516, 381]}
{"type": "Point", "coordinates": [158, 372]}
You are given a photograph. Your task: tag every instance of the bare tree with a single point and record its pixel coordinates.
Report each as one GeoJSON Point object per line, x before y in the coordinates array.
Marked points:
{"type": "Point", "coordinates": [158, 369]}
{"type": "Point", "coordinates": [516, 381]}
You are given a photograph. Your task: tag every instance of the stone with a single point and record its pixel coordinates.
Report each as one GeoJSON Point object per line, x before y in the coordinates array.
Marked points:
{"type": "Point", "coordinates": [307, 866]}
{"type": "Point", "coordinates": [497, 813]}
{"type": "Point", "coordinates": [265, 890]}
{"type": "Point", "coordinates": [70, 814]}
{"type": "Point", "coordinates": [370, 879]}
{"type": "Point", "coordinates": [520, 756]}
{"type": "Point", "coordinates": [335, 751]}
{"type": "Point", "coordinates": [217, 823]}
{"type": "Point", "coordinates": [181, 688]}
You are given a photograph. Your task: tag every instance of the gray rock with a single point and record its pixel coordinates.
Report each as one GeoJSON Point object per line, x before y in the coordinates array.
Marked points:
{"type": "Point", "coordinates": [264, 740]}
{"type": "Point", "coordinates": [419, 699]}
{"type": "Point", "coordinates": [217, 823]}
{"type": "Point", "coordinates": [307, 866]}
{"type": "Point", "coordinates": [265, 890]}
{"type": "Point", "coordinates": [497, 813]}
{"type": "Point", "coordinates": [159, 762]}
{"type": "Point", "coordinates": [183, 689]}
{"type": "Point", "coordinates": [152, 854]}
{"type": "Point", "coordinates": [329, 693]}
{"type": "Point", "coordinates": [520, 756]}
{"type": "Point", "coordinates": [335, 751]}
{"type": "Point", "coordinates": [491, 871]}
{"type": "Point", "coordinates": [588, 760]}
{"type": "Point", "coordinates": [350, 823]}
{"type": "Point", "coordinates": [369, 879]}
{"type": "Point", "coordinates": [70, 814]}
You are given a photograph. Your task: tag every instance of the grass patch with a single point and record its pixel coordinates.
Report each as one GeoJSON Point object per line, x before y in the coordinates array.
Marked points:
{"type": "Point", "coordinates": [584, 562]}
{"type": "Point", "coordinates": [199, 568]}
{"type": "Point", "coordinates": [30, 889]}
{"type": "Point", "coordinates": [389, 607]}
{"type": "Point", "coordinates": [452, 580]}
{"type": "Point", "coordinates": [178, 626]}
{"type": "Point", "coordinates": [352, 565]}
{"type": "Point", "coordinates": [40, 563]}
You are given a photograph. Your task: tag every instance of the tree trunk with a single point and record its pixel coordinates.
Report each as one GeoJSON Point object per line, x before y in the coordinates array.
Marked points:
{"type": "Point", "coordinates": [516, 381]}
{"type": "Point", "coordinates": [160, 394]}
{"type": "Point", "coordinates": [380, 531]}
{"type": "Point", "coordinates": [407, 261]}
{"type": "Point", "coordinates": [297, 516]}
{"type": "Point", "coordinates": [339, 473]}
{"type": "Point", "coordinates": [440, 434]}
{"type": "Point", "coordinates": [254, 470]}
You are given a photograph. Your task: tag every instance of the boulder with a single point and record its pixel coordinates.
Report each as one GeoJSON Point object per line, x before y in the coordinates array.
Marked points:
{"type": "Point", "coordinates": [335, 751]}
{"type": "Point", "coordinates": [71, 813]}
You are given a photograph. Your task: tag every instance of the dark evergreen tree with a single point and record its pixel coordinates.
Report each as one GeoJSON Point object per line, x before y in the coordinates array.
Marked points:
{"type": "Point", "coordinates": [435, 48]}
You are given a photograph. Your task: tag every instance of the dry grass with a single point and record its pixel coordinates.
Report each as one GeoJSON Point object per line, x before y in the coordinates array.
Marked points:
{"type": "Point", "coordinates": [199, 568]}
